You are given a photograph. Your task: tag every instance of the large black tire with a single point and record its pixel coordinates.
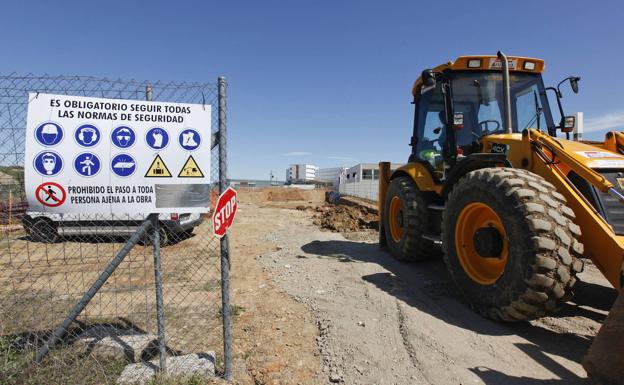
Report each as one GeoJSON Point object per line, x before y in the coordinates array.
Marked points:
{"type": "Point", "coordinates": [148, 239]}
{"type": "Point", "coordinates": [415, 221]}
{"type": "Point", "coordinates": [543, 248]}
{"type": "Point", "coordinates": [43, 230]}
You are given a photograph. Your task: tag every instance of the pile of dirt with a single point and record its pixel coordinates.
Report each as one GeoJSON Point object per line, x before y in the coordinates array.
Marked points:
{"type": "Point", "coordinates": [345, 219]}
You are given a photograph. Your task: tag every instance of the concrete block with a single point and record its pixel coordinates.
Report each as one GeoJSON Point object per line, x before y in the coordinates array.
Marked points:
{"type": "Point", "coordinates": [202, 364]}
{"type": "Point", "coordinates": [111, 342]}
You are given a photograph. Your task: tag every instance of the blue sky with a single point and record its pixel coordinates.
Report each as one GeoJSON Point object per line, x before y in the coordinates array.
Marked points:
{"type": "Point", "coordinates": [322, 82]}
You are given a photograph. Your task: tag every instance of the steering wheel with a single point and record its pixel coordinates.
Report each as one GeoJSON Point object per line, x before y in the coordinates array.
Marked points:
{"type": "Point", "coordinates": [484, 127]}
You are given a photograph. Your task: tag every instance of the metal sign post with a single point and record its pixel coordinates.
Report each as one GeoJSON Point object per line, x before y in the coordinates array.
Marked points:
{"type": "Point", "coordinates": [225, 249]}
{"type": "Point", "coordinates": [158, 283]}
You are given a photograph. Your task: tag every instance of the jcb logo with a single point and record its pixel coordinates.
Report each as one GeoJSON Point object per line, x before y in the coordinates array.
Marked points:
{"type": "Point", "coordinates": [499, 148]}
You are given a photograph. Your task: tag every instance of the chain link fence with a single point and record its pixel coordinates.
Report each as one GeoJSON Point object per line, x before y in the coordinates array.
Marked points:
{"type": "Point", "coordinates": [46, 266]}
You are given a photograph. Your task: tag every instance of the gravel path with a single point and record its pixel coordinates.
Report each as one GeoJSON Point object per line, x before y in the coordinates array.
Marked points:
{"type": "Point", "coordinates": [381, 321]}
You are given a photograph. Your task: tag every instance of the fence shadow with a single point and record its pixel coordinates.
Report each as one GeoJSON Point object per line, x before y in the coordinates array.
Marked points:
{"type": "Point", "coordinates": [102, 239]}
{"type": "Point", "coordinates": [427, 287]}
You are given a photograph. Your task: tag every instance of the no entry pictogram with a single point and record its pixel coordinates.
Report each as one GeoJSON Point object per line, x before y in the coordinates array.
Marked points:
{"type": "Point", "coordinates": [50, 194]}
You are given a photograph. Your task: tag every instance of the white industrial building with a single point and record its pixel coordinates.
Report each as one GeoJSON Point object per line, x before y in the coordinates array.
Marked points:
{"type": "Point", "coordinates": [362, 180]}
{"type": "Point", "coordinates": [361, 172]}
{"type": "Point", "coordinates": [330, 175]}
{"type": "Point", "coordinates": [301, 173]}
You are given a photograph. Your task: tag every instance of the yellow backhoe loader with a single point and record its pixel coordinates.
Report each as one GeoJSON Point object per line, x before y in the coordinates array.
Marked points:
{"type": "Point", "coordinates": [513, 208]}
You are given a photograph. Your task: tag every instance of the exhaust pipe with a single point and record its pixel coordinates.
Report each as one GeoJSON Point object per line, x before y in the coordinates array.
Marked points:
{"type": "Point", "coordinates": [506, 90]}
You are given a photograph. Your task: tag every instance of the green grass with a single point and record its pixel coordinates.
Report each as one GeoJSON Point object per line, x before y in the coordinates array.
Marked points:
{"type": "Point", "coordinates": [66, 365]}
{"type": "Point", "coordinates": [182, 380]}
{"type": "Point", "coordinates": [211, 284]}
{"type": "Point", "coordinates": [235, 311]}
{"type": "Point", "coordinates": [11, 361]}
{"type": "Point", "coordinates": [63, 365]}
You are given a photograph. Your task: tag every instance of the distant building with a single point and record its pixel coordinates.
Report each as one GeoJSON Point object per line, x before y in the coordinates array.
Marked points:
{"type": "Point", "coordinates": [301, 173]}
{"type": "Point", "coordinates": [330, 175]}
{"type": "Point", "coordinates": [362, 180]}
{"type": "Point", "coordinates": [363, 172]}
{"type": "Point", "coordinates": [254, 183]}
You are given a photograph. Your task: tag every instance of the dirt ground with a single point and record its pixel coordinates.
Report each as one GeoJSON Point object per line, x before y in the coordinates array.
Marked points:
{"type": "Point", "coordinates": [316, 301]}
{"type": "Point", "coordinates": [326, 307]}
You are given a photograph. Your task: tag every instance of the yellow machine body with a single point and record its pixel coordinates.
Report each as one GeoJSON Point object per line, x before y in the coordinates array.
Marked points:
{"type": "Point", "coordinates": [601, 244]}
{"type": "Point", "coordinates": [444, 196]}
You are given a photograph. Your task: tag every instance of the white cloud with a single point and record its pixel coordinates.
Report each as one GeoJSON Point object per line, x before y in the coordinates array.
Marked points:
{"type": "Point", "coordinates": [605, 122]}
{"type": "Point", "coordinates": [297, 153]}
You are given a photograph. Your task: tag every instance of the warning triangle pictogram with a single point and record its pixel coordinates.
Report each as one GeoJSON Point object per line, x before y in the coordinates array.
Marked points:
{"type": "Point", "coordinates": [190, 169]}
{"type": "Point", "coordinates": [158, 169]}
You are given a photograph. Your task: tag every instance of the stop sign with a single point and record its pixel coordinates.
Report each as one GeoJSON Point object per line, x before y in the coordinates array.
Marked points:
{"type": "Point", "coordinates": [224, 212]}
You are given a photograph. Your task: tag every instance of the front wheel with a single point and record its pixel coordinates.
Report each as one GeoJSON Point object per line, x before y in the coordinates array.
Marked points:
{"type": "Point", "coordinates": [406, 220]}
{"type": "Point", "coordinates": [510, 243]}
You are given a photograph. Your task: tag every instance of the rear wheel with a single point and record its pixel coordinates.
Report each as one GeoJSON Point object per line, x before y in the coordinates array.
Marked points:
{"type": "Point", "coordinates": [148, 238]}
{"type": "Point", "coordinates": [406, 220]}
{"type": "Point", "coordinates": [44, 231]}
{"type": "Point", "coordinates": [510, 243]}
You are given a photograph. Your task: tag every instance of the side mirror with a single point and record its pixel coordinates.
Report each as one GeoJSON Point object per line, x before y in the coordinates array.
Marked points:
{"type": "Point", "coordinates": [574, 83]}
{"type": "Point", "coordinates": [428, 78]}
{"type": "Point", "coordinates": [569, 122]}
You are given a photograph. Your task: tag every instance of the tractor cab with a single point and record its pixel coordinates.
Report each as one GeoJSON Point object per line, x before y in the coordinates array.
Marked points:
{"type": "Point", "coordinates": [458, 103]}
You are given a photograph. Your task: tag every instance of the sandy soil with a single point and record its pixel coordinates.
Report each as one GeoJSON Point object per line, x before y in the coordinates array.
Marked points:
{"type": "Point", "coordinates": [325, 307]}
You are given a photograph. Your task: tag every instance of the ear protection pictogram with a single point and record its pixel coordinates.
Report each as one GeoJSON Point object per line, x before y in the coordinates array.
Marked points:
{"type": "Point", "coordinates": [94, 135]}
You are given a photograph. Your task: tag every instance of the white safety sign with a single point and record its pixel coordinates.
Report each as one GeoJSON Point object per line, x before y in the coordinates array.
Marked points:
{"type": "Point", "coordinates": [102, 156]}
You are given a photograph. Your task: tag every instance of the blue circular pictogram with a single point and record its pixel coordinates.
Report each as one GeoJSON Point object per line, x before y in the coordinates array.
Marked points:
{"type": "Point", "coordinates": [48, 163]}
{"type": "Point", "coordinates": [157, 138]}
{"type": "Point", "coordinates": [87, 135]}
{"type": "Point", "coordinates": [189, 139]}
{"type": "Point", "coordinates": [49, 134]}
{"type": "Point", "coordinates": [123, 165]}
{"type": "Point", "coordinates": [87, 164]}
{"type": "Point", "coordinates": [123, 137]}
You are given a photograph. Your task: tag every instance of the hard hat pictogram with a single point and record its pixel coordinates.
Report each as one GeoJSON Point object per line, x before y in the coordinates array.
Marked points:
{"type": "Point", "coordinates": [158, 169]}
{"type": "Point", "coordinates": [49, 134]}
{"type": "Point", "coordinates": [190, 169]}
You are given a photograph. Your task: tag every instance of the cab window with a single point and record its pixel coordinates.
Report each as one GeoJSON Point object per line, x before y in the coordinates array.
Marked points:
{"type": "Point", "coordinates": [528, 107]}
{"type": "Point", "coordinates": [430, 127]}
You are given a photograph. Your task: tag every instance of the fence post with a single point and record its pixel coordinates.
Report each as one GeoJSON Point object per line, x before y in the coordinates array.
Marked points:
{"type": "Point", "coordinates": [160, 306]}
{"type": "Point", "coordinates": [225, 251]}
{"type": "Point", "coordinates": [158, 283]}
